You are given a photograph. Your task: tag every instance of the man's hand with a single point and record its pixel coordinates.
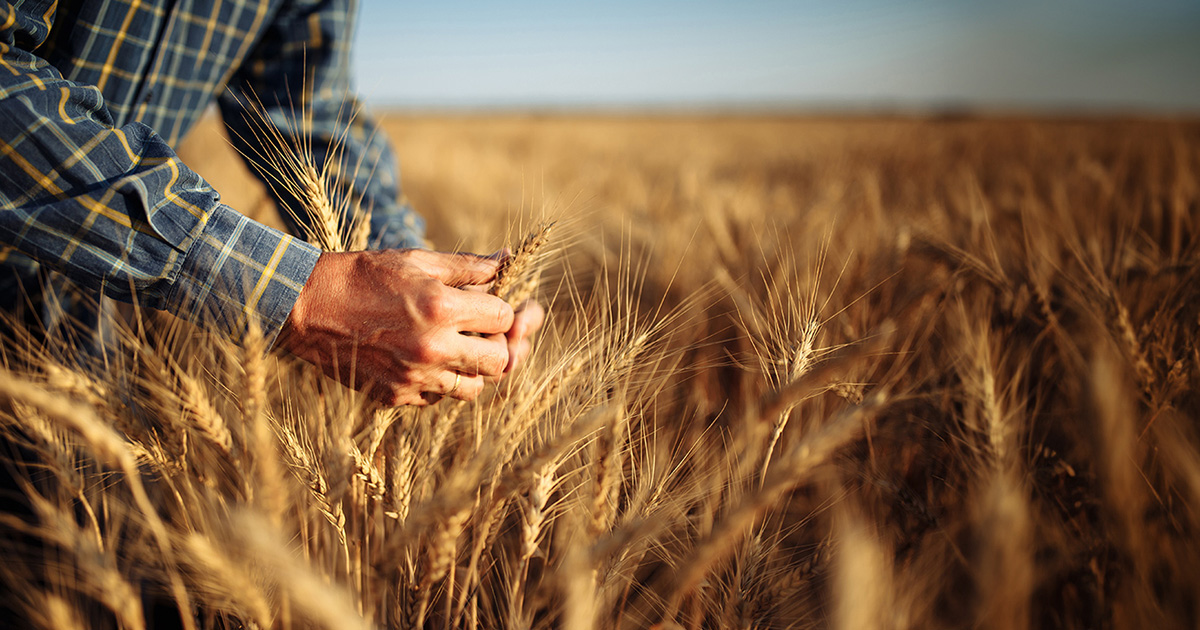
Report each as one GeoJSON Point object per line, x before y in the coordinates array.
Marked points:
{"type": "Point", "coordinates": [394, 324]}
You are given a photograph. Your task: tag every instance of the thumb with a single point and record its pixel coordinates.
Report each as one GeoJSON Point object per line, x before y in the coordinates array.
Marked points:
{"type": "Point", "coordinates": [458, 270]}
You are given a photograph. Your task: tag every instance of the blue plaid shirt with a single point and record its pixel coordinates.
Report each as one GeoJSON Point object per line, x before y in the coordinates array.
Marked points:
{"type": "Point", "coordinates": [93, 94]}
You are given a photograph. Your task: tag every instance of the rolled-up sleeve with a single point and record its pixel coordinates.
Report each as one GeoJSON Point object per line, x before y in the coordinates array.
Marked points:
{"type": "Point", "coordinates": [238, 269]}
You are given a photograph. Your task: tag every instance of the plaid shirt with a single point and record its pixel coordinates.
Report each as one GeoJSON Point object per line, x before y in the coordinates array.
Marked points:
{"type": "Point", "coordinates": [93, 94]}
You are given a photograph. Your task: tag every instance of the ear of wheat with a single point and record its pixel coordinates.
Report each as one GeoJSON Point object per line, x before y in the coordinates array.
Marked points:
{"type": "Point", "coordinates": [868, 374]}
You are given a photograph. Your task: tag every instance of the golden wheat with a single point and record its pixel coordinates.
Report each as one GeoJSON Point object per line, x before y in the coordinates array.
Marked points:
{"type": "Point", "coordinates": [800, 373]}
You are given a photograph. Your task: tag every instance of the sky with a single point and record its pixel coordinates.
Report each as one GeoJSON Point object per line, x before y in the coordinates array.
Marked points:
{"type": "Point", "coordinates": [1102, 55]}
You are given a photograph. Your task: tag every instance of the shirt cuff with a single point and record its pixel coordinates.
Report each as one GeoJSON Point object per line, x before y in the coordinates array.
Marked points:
{"type": "Point", "coordinates": [238, 271]}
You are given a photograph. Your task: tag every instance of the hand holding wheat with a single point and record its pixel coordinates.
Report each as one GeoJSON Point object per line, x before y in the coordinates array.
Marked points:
{"type": "Point", "coordinates": [395, 324]}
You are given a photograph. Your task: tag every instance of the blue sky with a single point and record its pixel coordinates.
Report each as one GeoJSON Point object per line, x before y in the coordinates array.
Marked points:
{"type": "Point", "coordinates": [1055, 54]}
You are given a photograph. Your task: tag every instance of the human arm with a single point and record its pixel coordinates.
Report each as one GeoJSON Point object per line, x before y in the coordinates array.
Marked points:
{"type": "Point", "coordinates": [295, 86]}
{"type": "Point", "coordinates": [116, 211]}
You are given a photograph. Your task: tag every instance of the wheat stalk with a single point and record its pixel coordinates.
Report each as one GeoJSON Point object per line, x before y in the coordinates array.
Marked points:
{"type": "Point", "coordinates": [516, 278]}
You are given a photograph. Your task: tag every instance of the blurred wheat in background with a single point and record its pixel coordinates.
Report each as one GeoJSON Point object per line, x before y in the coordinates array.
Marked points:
{"type": "Point", "coordinates": [798, 373]}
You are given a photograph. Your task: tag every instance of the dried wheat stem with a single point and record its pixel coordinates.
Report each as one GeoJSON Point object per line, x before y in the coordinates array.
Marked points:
{"type": "Point", "coordinates": [787, 473]}
{"type": "Point", "coordinates": [1007, 565]}
{"type": "Point", "coordinates": [325, 226]}
{"type": "Point", "coordinates": [532, 520]}
{"type": "Point", "coordinates": [444, 546]}
{"type": "Point", "coordinates": [1133, 346]}
{"type": "Point", "coordinates": [359, 238]}
{"type": "Point", "coordinates": [535, 515]}
{"type": "Point", "coordinates": [269, 489]}
{"type": "Point", "coordinates": [366, 471]}
{"type": "Point", "coordinates": [77, 384]}
{"type": "Point", "coordinates": [607, 464]}
{"type": "Point", "coordinates": [552, 388]}
{"type": "Point", "coordinates": [105, 442]}
{"type": "Point", "coordinates": [52, 611]}
{"type": "Point", "coordinates": [204, 417]}
{"type": "Point", "coordinates": [254, 368]}
{"type": "Point", "coordinates": [401, 470]}
{"type": "Point", "coordinates": [439, 558]}
{"type": "Point", "coordinates": [232, 581]}
{"type": "Point", "coordinates": [864, 588]}
{"type": "Point", "coordinates": [484, 535]}
{"type": "Point", "coordinates": [303, 465]}
{"type": "Point", "coordinates": [311, 593]}
{"type": "Point", "coordinates": [442, 426]}
{"type": "Point", "coordinates": [517, 269]}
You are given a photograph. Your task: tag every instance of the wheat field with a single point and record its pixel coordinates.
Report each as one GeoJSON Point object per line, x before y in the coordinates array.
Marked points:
{"type": "Point", "coordinates": [798, 372]}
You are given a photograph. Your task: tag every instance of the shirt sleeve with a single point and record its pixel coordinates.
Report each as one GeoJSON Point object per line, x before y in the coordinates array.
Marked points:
{"type": "Point", "coordinates": [296, 86]}
{"type": "Point", "coordinates": [114, 209]}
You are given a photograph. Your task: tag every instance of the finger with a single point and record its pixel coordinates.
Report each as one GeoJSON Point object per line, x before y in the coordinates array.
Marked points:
{"type": "Point", "coordinates": [463, 387]}
{"type": "Point", "coordinates": [527, 319]}
{"type": "Point", "coordinates": [473, 312]}
{"type": "Point", "coordinates": [458, 269]}
{"type": "Point", "coordinates": [390, 395]}
{"type": "Point", "coordinates": [518, 351]}
{"type": "Point", "coordinates": [470, 355]}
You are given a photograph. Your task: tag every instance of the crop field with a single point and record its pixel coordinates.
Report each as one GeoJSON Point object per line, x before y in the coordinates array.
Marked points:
{"type": "Point", "coordinates": [797, 372]}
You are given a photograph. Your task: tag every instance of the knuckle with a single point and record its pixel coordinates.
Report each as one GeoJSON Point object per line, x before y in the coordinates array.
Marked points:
{"type": "Point", "coordinates": [430, 352]}
{"type": "Point", "coordinates": [504, 314]}
{"type": "Point", "coordinates": [471, 389]}
{"type": "Point", "coordinates": [436, 304]}
{"type": "Point", "coordinates": [494, 362]}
